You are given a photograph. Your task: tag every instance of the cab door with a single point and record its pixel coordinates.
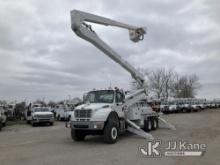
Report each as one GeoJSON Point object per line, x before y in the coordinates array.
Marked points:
{"type": "Point", "coordinates": [119, 104]}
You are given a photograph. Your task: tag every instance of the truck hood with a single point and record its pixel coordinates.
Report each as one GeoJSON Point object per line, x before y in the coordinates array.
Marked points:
{"type": "Point", "coordinates": [93, 106]}
{"type": "Point", "coordinates": [43, 113]}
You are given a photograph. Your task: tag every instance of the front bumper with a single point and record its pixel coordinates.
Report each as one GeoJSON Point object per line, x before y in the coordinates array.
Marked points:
{"type": "Point", "coordinates": [87, 125]}
{"type": "Point", "coordinates": [39, 120]}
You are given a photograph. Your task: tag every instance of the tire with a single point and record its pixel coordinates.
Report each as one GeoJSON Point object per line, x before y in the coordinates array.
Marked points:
{"type": "Point", "coordinates": [58, 117]}
{"type": "Point", "coordinates": [4, 124]}
{"type": "Point", "coordinates": [28, 122]}
{"type": "Point", "coordinates": [77, 135]}
{"type": "Point", "coordinates": [189, 110]}
{"type": "Point", "coordinates": [184, 110]}
{"type": "Point", "coordinates": [148, 125]}
{"type": "Point", "coordinates": [111, 132]}
{"type": "Point", "coordinates": [154, 123]}
{"type": "Point", "coordinates": [33, 124]}
{"type": "Point", "coordinates": [51, 123]}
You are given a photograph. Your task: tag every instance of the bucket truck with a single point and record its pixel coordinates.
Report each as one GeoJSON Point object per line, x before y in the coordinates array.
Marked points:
{"type": "Point", "coordinates": [110, 112]}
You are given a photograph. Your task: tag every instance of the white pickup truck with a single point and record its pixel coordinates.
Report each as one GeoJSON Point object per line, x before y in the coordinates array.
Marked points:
{"type": "Point", "coordinates": [40, 115]}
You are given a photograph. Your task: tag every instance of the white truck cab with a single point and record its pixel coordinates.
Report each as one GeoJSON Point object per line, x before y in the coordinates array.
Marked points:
{"type": "Point", "coordinates": [104, 112]}
{"type": "Point", "coordinates": [40, 115]}
{"type": "Point", "coordinates": [173, 107]}
{"type": "Point", "coordinates": [194, 106]}
{"type": "Point", "coordinates": [164, 107]}
{"type": "Point", "coordinates": [11, 111]}
{"type": "Point", "coordinates": [186, 106]}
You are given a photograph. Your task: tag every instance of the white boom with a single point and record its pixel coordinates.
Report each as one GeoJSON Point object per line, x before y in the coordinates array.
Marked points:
{"type": "Point", "coordinates": [83, 30]}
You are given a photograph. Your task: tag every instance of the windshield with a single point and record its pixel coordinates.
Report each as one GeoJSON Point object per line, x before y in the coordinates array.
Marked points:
{"type": "Point", "coordinates": [103, 96]}
{"type": "Point", "coordinates": [41, 110]}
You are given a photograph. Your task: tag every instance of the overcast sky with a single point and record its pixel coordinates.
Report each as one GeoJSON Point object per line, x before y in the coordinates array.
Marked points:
{"type": "Point", "coordinates": [40, 56]}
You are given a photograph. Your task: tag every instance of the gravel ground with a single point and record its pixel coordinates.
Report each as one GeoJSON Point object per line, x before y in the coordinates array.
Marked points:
{"type": "Point", "coordinates": [52, 145]}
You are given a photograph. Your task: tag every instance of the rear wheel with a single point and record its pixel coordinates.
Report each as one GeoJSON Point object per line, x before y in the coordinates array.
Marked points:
{"type": "Point", "coordinates": [148, 125]}
{"type": "Point", "coordinates": [77, 135]}
{"type": "Point", "coordinates": [154, 123]}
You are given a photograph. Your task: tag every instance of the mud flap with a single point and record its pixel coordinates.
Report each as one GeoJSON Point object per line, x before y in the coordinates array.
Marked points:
{"type": "Point", "coordinates": [138, 131]}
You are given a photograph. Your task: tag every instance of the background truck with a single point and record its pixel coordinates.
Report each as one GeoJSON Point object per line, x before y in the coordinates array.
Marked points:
{"type": "Point", "coordinates": [63, 112]}
{"type": "Point", "coordinates": [3, 118]}
{"type": "Point", "coordinates": [38, 115]}
{"type": "Point", "coordinates": [164, 107]}
{"type": "Point", "coordinates": [111, 112]}
{"type": "Point", "coordinates": [173, 107]}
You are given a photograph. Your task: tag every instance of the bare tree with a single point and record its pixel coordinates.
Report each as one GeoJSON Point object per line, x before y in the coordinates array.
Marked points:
{"type": "Point", "coordinates": [186, 86]}
{"type": "Point", "coordinates": [157, 82]}
{"type": "Point", "coordinates": [51, 104]}
{"type": "Point", "coordinates": [161, 82]}
{"type": "Point", "coordinates": [164, 83]}
{"type": "Point", "coordinates": [42, 102]}
{"type": "Point", "coordinates": [168, 78]}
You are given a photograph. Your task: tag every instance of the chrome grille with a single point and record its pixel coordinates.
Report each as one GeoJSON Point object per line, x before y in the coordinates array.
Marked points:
{"type": "Point", "coordinates": [44, 116]}
{"type": "Point", "coordinates": [84, 113]}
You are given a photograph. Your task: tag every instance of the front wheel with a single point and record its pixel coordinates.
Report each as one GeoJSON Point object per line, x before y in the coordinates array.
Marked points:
{"type": "Point", "coordinates": [0, 125]}
{"type": "Point", "coordinates": [111, 133]}
{"type": "Point", "coordinates": [33, 124]}
{"type": "Point", "coordinates": [4, 124]}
